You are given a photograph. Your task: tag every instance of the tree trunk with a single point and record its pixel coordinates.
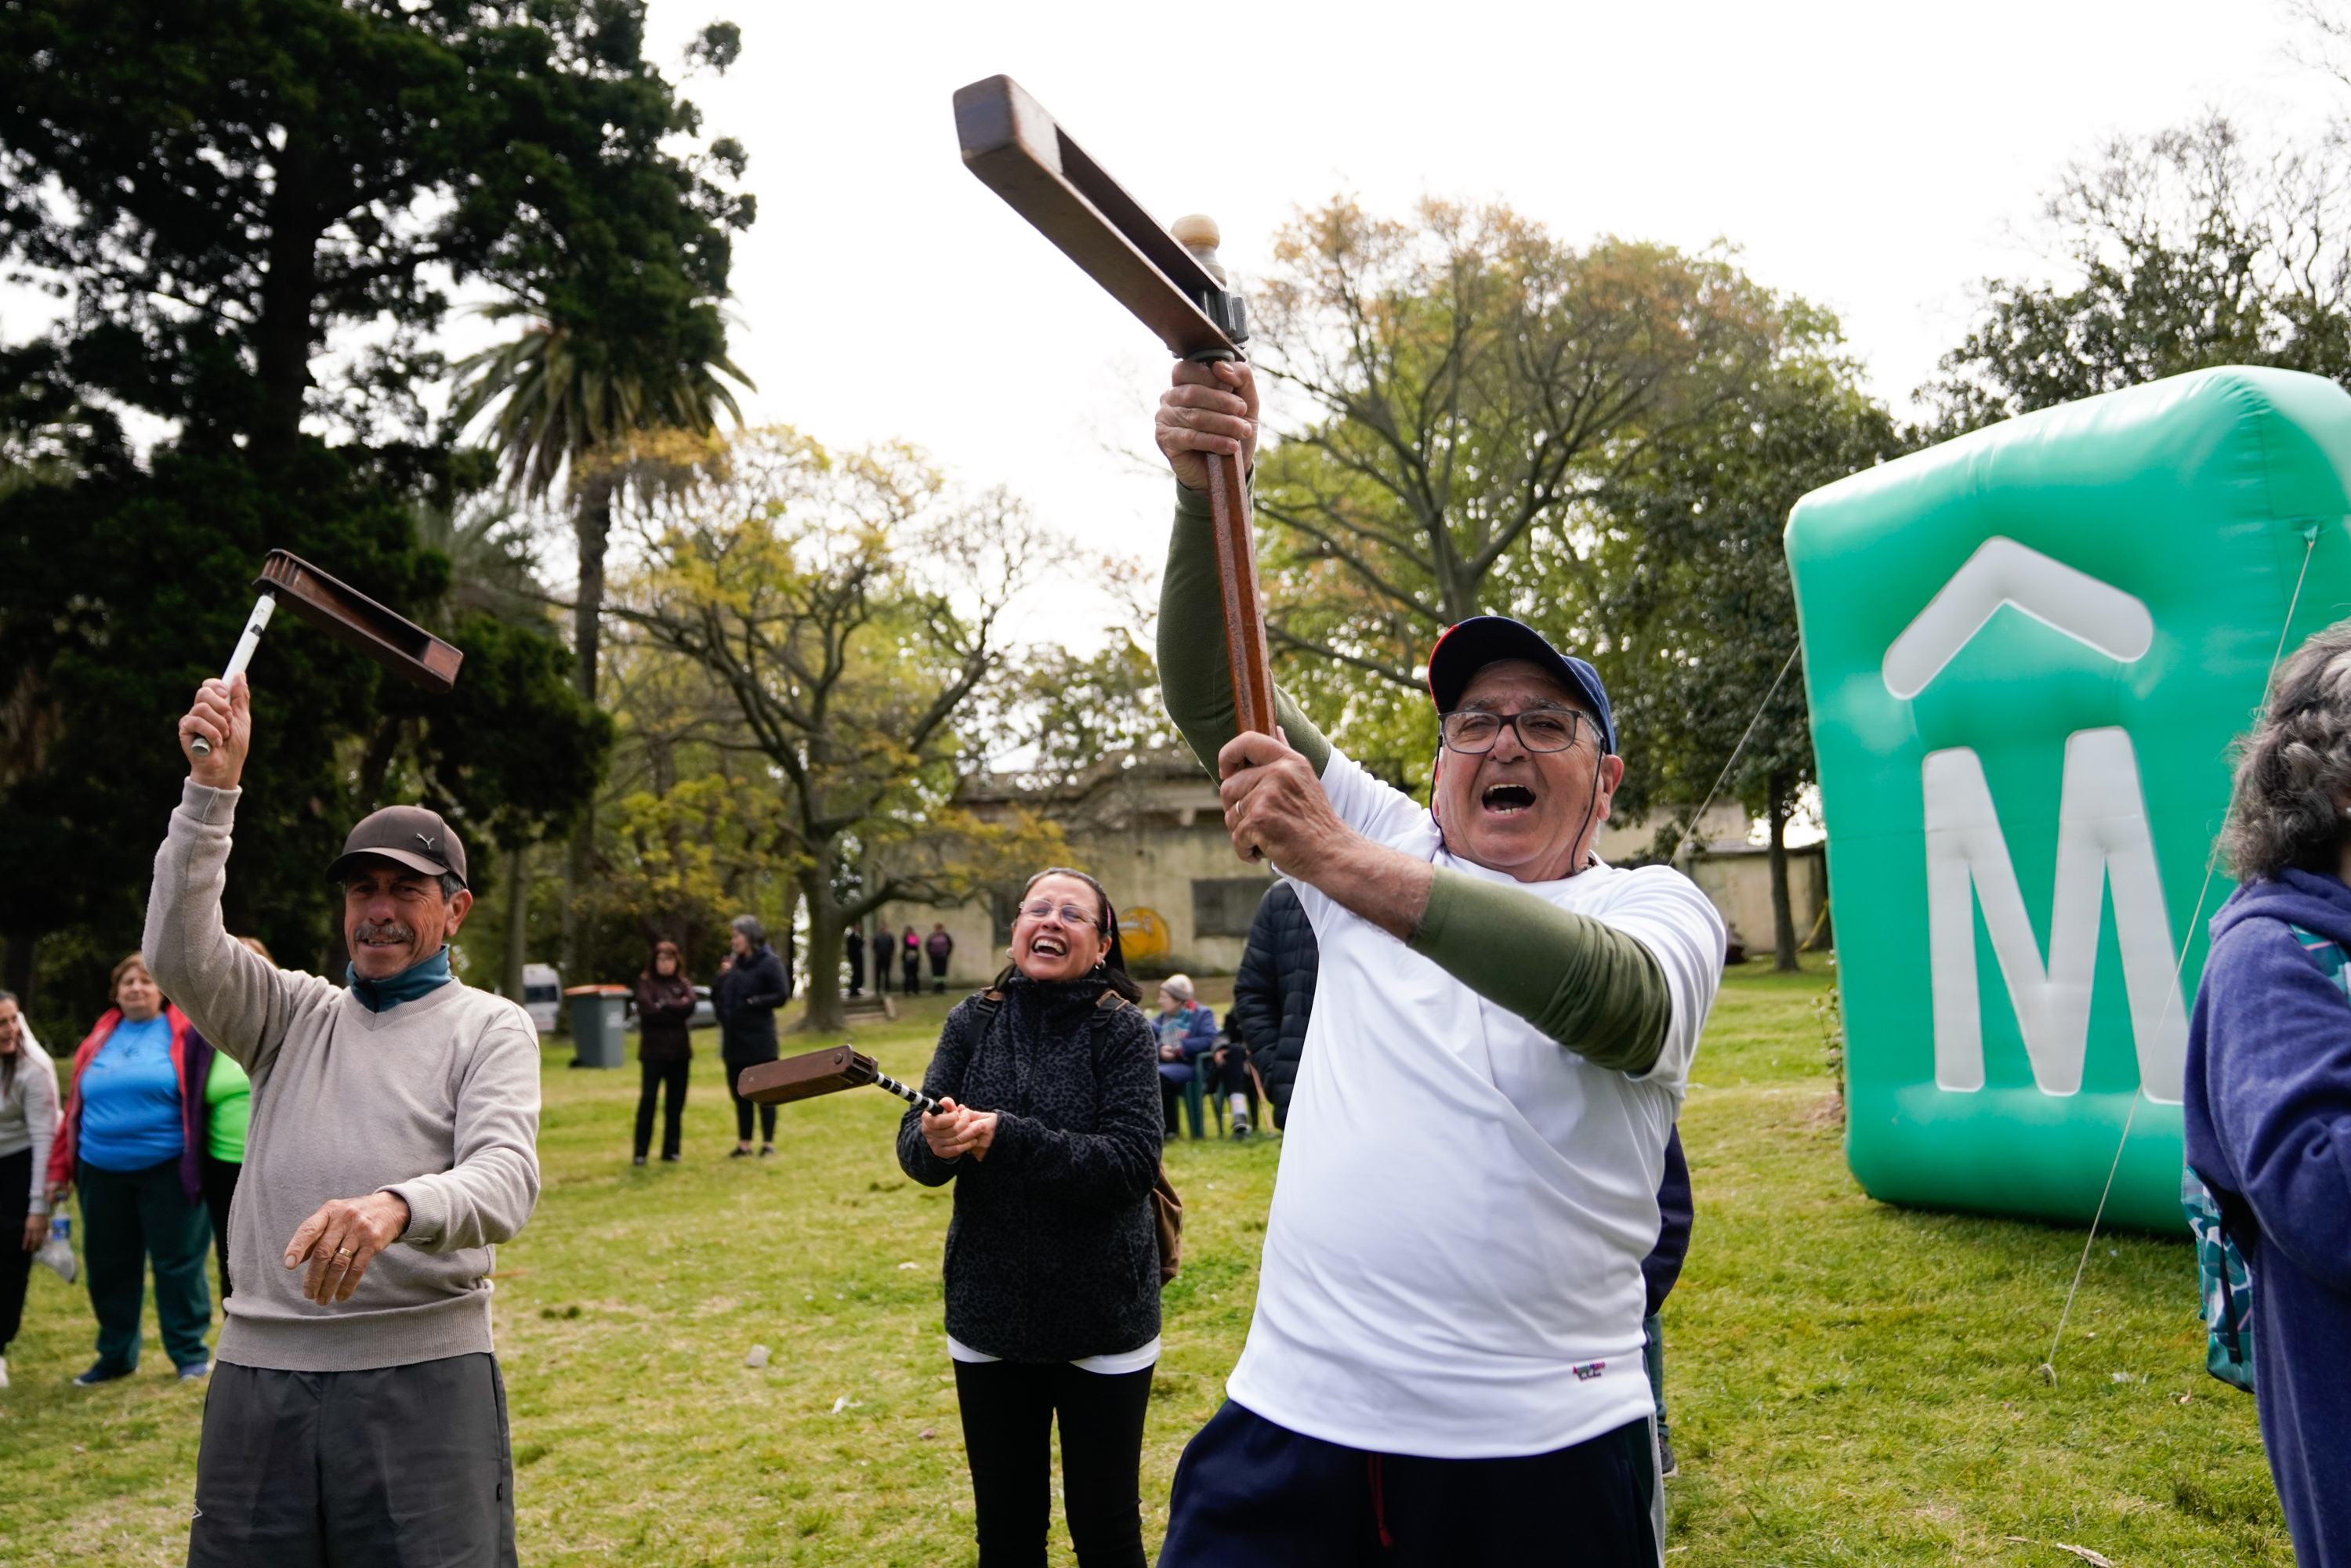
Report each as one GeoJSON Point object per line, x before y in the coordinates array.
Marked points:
{"type": "Point", "coordinates": [827, 920]}
{"type": "Point", "coordinates": [1783, 919]}
{"type": "Point", "coordinates": [518, 918]}
{"type": "Point", "coordinates": [283, 336]}
{"type": "Point", "coordinates": [593, 524]}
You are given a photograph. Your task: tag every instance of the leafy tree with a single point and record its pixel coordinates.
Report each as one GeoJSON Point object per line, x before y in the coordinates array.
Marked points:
{"type": "Point", "coordinates": [1695, 623]}
{"type": "Point", "coordinates": [221, 185]}
{"type": "Point", "coordinates": [1468, 385]}
{"type": "Point", "coordinates": [2182, 250]}
{"type": "Point", "coordinates": [218, 188]}
{"type": "Point", "coordinates": [569, 406]}
{"type": "Point", "coordinates": [1070, 713]}
{"type": "Point", "coordinates": [852, 612]}
{"type": "Point", "coordinates": [119, 593]}
{"type": "Point", "coordinates": [691, 827]}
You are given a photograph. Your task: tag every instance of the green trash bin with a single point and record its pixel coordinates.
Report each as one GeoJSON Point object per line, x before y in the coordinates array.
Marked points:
{"type": "Point", "coordinates": [599, 1015]}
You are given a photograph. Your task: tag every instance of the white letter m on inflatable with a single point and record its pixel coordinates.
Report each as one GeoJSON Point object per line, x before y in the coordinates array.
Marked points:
{"type": "Point", "coordinates": [2102, 836]}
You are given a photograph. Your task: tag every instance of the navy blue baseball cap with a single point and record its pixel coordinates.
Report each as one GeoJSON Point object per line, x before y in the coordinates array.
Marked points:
{"type": "Point", "coordinates": [1468, 646]}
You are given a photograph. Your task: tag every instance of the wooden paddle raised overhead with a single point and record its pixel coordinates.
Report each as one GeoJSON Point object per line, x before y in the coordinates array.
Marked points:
{"type": "Point", "coordinates": [1170, 280]}
{"type": "Point", "coordinates": [350, 617]}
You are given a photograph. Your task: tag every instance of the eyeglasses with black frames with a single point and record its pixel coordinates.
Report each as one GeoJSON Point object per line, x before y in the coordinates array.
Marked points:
{"type": "Point", "coordinates": [1474, 732]}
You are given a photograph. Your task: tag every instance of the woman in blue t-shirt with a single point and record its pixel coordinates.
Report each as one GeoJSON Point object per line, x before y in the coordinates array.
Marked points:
{"type": "Point", "coordinates": [130, 1141]}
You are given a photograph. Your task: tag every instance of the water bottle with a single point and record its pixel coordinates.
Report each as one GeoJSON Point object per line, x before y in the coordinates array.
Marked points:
{"type": "Point", "coordinates": [56, 1252]}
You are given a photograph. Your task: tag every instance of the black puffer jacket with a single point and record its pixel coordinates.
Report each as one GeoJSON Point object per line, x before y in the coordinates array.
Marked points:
{"type": "Point", "coordinates": [1274, 992]}
{"type": "Point", "coordinates": [745, 998]}
{"type": "Point", "coordinates": [1051, 1255]}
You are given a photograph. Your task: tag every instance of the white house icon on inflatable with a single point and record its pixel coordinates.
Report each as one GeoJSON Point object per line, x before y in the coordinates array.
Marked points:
{"type": "Point", "coordinates": [2102, 835]}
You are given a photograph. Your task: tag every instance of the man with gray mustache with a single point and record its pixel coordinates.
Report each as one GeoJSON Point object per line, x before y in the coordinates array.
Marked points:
{"type": "Point", "coordinates": [356, 1413]}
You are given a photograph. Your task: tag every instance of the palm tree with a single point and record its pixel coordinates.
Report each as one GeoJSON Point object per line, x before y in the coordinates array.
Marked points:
{"type": "Point", "coordinates": [568, 408]}
{"type": "Point", "coordinates": [568, 411]}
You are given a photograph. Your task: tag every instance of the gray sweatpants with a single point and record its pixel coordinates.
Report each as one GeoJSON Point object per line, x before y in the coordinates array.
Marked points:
{"type": "Point", "coordinates": [383, 1469]}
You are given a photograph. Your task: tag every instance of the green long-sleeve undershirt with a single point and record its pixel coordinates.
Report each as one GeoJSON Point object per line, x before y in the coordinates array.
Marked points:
{"type": "Point", "coordinates": [1586, 985]}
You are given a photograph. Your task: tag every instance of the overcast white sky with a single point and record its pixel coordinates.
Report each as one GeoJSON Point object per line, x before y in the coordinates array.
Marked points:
{"type": "Point", "coordinates": [1878, 158]}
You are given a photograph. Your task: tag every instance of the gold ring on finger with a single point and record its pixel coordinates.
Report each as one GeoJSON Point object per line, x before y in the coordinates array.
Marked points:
{"type": "Point", "coordinates": [345, 1252]}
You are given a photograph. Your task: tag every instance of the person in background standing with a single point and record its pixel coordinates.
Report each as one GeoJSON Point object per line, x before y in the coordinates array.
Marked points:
{"type": "Point", "coordinates": [853, 949]}
{"type": "Point", "coordinates": [229, 1109]}
{"type": "Point", "coordinates": [939, 946]}
{"type": "Point", "coordinates": [910, 962]}
{"type": "Point", "coordinates": [1274, 991]}
{"type": "Point", "coordinates": [754, 984]}
{"type": "Point", "coordinates": [664, 1047]}
{"type": "Point", "coordinates": [130, 1138]}
{"type": "Point", "coordinates": [1185, 1029]}
{"type": "Point", "coordinates": [885, 946]}
{"type": "Point", "coordinates": [29, 1122]}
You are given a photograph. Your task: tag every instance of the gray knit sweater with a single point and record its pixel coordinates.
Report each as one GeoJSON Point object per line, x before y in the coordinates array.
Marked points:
{"type": "Point", "coordinates": [436, 1099]}
{"type": "Point", "coordinates": [29, 1114]}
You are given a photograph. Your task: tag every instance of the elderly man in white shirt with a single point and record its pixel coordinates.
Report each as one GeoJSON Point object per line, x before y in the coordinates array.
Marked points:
{"type": "Point", "coordinates": [1446, 1356]}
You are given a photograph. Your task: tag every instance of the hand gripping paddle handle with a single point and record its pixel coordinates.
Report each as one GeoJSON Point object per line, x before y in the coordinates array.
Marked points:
{"type": "Point", "coordinates": [263, 608]}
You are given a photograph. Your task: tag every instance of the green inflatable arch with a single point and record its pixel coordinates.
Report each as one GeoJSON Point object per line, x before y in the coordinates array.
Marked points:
{"type": "Point", "coordinates": [2027, 652]}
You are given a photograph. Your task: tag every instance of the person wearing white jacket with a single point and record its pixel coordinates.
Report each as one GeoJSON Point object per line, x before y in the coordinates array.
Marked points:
{"type": "Point", "coordinates": [28, 1120]}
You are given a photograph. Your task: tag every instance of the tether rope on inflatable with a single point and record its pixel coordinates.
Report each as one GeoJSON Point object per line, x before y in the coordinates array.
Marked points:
{"type": "Point", "coordinates": [2049, 1365]}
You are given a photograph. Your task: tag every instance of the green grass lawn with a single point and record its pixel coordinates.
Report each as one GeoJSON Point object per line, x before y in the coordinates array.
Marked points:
{"type": "Point", "coordinates": [1849, 1382]}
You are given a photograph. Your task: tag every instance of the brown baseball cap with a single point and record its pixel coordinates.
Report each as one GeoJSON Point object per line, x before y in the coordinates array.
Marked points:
{"type": "Point", "coordinates": [406, 835]}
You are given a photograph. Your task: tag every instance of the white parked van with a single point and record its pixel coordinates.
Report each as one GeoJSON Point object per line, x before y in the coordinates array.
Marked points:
{"type": "Point", "coordinates": [542, 995]}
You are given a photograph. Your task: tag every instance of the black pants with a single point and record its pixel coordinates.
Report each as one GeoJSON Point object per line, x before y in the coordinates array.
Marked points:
{"type": "Point", "coordinates": [743, 1107]}
{"type": "Point", "coordinates": [127, 1217]}
{"type": "Point", "coordinates": [911, 972]}
{"type": "Point", "coordinates": [15, 1263]}
{"type": "Point", "coordinates": [219, 1180]}
{"type": "Point", "coordinates": [1250, 1494]}
{"type": "Point", "coordinates": [938, 971]}
{"type": "Point", "coordinates": [658, 1074]}
{"type": "Point", "coordinates": [396, 1465]}
{"type": "Point", "coordinates": [1008, 1419]}
{"type": "Point", "coordinates": [856, 953]}
{"type": "Point", "coordinates": [881, 970]}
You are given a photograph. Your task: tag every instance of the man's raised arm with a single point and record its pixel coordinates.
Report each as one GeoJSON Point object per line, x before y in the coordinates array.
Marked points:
{"type": "Point", "coordinates": [1211, 408]}
{"type": "Point", "coordinates": [237, 999]}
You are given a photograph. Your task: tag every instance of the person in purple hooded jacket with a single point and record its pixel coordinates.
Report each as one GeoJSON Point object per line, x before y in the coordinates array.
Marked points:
{"type": "Point", "coordinates": [2268, 1100]}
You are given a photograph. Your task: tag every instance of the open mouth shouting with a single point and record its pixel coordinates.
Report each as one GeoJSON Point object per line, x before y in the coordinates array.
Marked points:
{"type": "Point", "coordinates": [1505, 800]}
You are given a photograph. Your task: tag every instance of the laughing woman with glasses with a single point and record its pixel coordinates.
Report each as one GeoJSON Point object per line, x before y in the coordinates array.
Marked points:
{"type": "Point", "coordinates": [1049, 1127]}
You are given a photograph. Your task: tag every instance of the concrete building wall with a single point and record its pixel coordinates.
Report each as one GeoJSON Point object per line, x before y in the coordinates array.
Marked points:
{"type": "Point", "coordinates": [1183, 897]}
{"type": "Point", "coordinates": [1154, 837]}
{"type": "Point", "coordinates": [1739, 885]}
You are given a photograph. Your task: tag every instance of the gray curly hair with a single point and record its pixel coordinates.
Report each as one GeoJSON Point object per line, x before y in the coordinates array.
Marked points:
{"type": "Point", "coordinates": [2294, 769]}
